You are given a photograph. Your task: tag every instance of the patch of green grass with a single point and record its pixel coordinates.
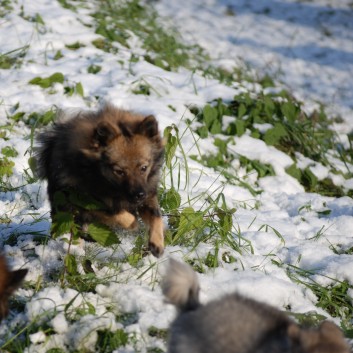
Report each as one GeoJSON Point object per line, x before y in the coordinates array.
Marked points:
{"type": "Point", "coordinates": [339, 250]}
{"type": "Point", "coordinates": [74, 46]}
{"type": "Point", "coordinates": [310, 319]}
{"type": "Point", "coordinates": [6, 171]}
{"type": "Point", "coordinates": [58, 55]}
{"type": "Point", "coordinates": [292, 130]}
{"type": "Point", "coordinates": [105, 45]}
{"type": "Point", "coordinates": [261, 168]}
{"type": "Point", "coordinates": [119, 22]}
{"type": "Point", "coordinates": [13, 58]}
{"type": "Point", "coordinates": [163, 44]}
{"type": "Point", "coordinates": [37, 18]}
{"type": "Point", "coordinates": [222, 161]}
{"type": "Point", "coordinates": [35, 119]}
{"type": "Point", "coordinates": [189, 225]}
{"type": "Point", "coordinates": [49, 81]}
{"type": "Point", "coordinates": [5, 7]}
{"type": "Point", "coordinates": [334, 298]}
{"type": "Point", "coordinates": [311, 183]}
{"type": "Point", "coordinates": [144, 89]}
{"type": "Point", "coordinates": [138, 252]}
{"type": "Point", "coordinates": [115, 21]}
{"type": "Point", "coordinates": [19, 341]}
{"type": "Point", "coordinates": [66, 4]}
{"type": "Point", "coordinates": [9, 151]}
{"type": "Point", "coordinates": [288, 128]}
{"type": "Point", "coordinates": [94, 69]}
{"type": "Point", "coordinates": [157, 332]}
{"type": "Point", "coordinates": [75, 88]}
{"type": "Point", "coordinates": [109, 341]}
{"type": "Point", "coordinates": [6, 166]}
{"type": "Point", "coordinates": [83, 283]}
{"type": "Point", "coordinates": [155, 350]}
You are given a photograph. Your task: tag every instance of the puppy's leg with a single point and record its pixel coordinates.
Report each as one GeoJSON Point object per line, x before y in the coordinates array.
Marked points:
{"type": "Point", "coordinates": [151, 216]}
{"type": "Point", "coordinates": [122, 219]}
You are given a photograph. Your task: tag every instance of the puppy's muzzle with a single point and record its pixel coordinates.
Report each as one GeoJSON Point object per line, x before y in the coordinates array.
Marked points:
{"type": "Point", "coordinates": [139, 196]}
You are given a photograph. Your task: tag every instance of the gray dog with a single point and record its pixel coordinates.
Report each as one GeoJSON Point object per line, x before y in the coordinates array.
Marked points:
{"type": "Point", "coordinates": [235, 324]}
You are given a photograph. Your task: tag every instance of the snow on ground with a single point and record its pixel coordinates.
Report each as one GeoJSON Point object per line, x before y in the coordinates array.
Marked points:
{"type": "Point", "coordinates": [305, 44]}
{"type": "Point", "coordinates": [308, 45]}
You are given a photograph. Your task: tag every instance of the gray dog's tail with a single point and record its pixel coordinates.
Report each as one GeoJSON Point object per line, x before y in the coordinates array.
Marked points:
{"type": "Point", "coordinates": [181, 286]}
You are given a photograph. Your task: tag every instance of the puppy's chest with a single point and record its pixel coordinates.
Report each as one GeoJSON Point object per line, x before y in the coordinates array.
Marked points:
{"type": "Point", "coordinates": [117, 203]}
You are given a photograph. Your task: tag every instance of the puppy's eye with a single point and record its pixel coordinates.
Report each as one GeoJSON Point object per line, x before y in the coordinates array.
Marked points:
{"type": "Point", "coordinates": [119, 172]}
{"type": "Point", "coordinates": [143, 168]}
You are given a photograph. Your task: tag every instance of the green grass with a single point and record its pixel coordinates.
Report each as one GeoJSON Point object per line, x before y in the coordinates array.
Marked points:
{"type": "Point", "coordinates": [5, 7]}
{"type": "Point", "coordinates": [13, 58]}
{"type": "Point", "coordinates": [209, 221]}
{"type": "Point", "coordinates": [333, 298]}
{"type": "Point", "coordinates": [70, 88]}
{"type": "Point", "coordinates": [15, 120]}
{"type": "Point", "coordinates": [7, 153]}
{"type": "Point", "coordinates": [116, 20]}
{"type": "Point", "coordinates": [291, 131]}
{"type": "Point", "coordinates": [109, 341]}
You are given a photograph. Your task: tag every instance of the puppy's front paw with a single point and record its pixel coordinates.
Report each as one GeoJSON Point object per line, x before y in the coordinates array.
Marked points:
{"type": "Point", "coordinates": [126, 220]}
{"type": "Point", "coordinates": [156, 249]}
{"type": "Point", "coordinates": [156, 237]}
{"type": "Point", "coordinates": [134, 225]}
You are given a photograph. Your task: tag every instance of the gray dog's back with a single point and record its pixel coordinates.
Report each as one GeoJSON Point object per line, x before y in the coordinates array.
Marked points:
{"type": "Point", "coordinates": [235, 324]}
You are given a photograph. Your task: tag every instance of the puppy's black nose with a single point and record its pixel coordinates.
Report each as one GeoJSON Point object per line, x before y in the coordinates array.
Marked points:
{"type": "Point", "coordinates": [140, 196]}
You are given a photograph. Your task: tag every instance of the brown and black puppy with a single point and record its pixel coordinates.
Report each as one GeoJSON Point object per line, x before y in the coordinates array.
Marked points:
{"type": "Point", "coordinates": [235, 324]}
{"type": "Point", "coordinates": [9, 282]}
{"type": "Point", "coordinates": [113, 156]}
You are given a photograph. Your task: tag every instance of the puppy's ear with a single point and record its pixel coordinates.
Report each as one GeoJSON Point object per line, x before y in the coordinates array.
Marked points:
{"type": "Point", "coordinates": [330, 331]}
{"type": "Point", "coordinates": [125, 130]}
{"type": "Point", "coordinates": [15, 280]}
{"type": "Point", "coordinates": [148, 126]}
{"type": "Point", "coordinates": [104, 133]}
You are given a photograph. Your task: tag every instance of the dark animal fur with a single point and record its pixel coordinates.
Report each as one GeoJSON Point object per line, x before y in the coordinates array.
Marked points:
{"type": "Point", "coordinates": [9, 282]}
{"type": "Point", "coordinates": [235, 324]}
{"type": "Point", "coordinates": [111, 155]}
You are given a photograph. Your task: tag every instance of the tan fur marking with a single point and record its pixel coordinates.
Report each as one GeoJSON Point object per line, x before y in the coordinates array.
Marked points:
{"type": "Point", "coordinates": [156, 232]}
{"type": "Point", "coordinates": [122, 219]}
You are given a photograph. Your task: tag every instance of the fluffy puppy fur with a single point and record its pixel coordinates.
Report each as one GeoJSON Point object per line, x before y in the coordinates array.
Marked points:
{"type": "Point", "coordinates": [235, 324]}
{"type": "Point", "coordinates": [9, 282]}
{"type": "Point", "coordinates": [111, 155]}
